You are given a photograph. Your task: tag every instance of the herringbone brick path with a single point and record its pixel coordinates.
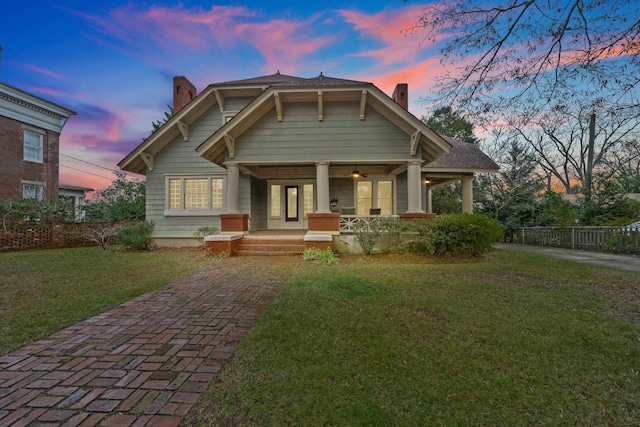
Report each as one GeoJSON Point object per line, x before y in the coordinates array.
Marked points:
{"type": "Point", "coordinates": [145, 362]}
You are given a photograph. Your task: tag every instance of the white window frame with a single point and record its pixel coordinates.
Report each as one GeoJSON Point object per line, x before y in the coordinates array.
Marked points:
{"type": "Point", "coordinates": [36, 190]}
{"type": "Point", "coordinates": [228, 115]}
{"type": "Point", "coordinates": [181, 211]}
{"type": "Point", "coordinates": [374, 190]}
{"type": "Point", "coordinates": [35, 159]}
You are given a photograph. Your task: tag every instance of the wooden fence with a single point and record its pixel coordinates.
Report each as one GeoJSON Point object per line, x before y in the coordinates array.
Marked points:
{"type": "Point", "coordinates": [54, 234]}
{"type": "Point", "coordinates": [605, 239]}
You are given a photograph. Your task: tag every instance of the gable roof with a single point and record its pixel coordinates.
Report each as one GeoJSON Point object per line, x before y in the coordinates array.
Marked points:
{"type": "Point", "coordinates": [320, 89]}
{"type": "Point", "coordinates": [274, 88]}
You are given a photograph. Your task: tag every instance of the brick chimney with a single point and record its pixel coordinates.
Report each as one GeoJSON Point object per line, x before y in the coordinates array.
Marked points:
{"type": "Point", "coordinates": [401, 95]}
{"type": "Point", "coordinates": [183, 92]}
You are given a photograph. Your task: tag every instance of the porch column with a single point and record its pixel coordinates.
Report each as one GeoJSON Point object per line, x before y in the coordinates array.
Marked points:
{"type": "Point", "coordinates": [467, 194]}
{"type": "Point", "coordinates": [322, 182]}
{"type": "Point", "coordinates": [429, 199]}
{"type": "Point", "coordinates": [233, 187]}
{"type": "Point", "coordinates": [414, 186]}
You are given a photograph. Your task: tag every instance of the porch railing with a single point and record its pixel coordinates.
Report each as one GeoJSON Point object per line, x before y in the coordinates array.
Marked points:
{"type": "Point", "coordinates": [349, 223]}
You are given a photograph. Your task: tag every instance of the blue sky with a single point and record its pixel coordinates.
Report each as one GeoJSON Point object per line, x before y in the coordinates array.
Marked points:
{"type": "Point", "coordinates": [113, 61]}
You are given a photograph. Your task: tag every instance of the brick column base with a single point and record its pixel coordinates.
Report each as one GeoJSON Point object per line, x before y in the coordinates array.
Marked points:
{"type": "Point", "coordinates": [324, 222]}
{"type": "Point", "coordinates": [234, 223]}
{"type": "Point", "coordinates": [220, 243]}
{"type": "Point", "coordinates": [410, 216]}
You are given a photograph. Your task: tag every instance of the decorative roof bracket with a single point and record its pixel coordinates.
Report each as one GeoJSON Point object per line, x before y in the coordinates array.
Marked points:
{"type": "Point", "coordinates": [276, 96]}
{"type": "Point", "coordinates": [184, 130]}
{"type": "Point", "coordinates": [148, 160]}
{"type": "Point", "coordinates": [363, 104]}
{"type": "Point", "coordinates": [415, 139]}
{"type": "Point", "coordinates": [220, 99]}
{"type": "Point", "coordinates": [231, 145]}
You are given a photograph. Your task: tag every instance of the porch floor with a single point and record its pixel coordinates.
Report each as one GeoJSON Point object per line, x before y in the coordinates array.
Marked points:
{"type": "Point", "coordinates": [277, 234]}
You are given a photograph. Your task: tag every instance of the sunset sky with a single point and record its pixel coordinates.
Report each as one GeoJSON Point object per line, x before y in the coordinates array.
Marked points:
{"type": "Point", "coordinates": [113, 61]}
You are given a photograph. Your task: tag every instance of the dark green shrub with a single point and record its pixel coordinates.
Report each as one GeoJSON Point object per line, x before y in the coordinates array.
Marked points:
{"type": "Point", "coordinates": [136, 236]}
{"type": "Point", "coordinates": [456, 234]}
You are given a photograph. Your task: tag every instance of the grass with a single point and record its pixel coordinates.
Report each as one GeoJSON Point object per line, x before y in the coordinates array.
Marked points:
{"type": "Point", "coordinates": [509, 339]}
{"type": "Point", "coordinates": [43, 291]}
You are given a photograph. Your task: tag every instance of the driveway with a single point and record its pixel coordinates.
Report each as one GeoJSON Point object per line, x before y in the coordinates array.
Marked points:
{"type": "Point", "coordinates": [145, 362]}
{"type": "Point", "coordinates": [622, 262]}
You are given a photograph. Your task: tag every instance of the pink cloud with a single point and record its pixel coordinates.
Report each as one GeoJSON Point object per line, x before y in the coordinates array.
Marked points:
{"type": "Point", "coordinates": [391, 29]}
{"type": "Point", "coordinates": [43, 71]}
{"type": "Point", "coordinates": [160, 29]}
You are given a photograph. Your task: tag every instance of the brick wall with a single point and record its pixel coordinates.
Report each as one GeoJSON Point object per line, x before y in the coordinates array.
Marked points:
{"type": "Point", "coordinates": [13, 170]}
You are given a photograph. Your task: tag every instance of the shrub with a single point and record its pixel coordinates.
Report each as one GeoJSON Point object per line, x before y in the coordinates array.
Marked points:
{"type": "Point", "coordinates": [367, 234]}
{"type": "Point", "coordinates": [457, 234]}
{"type": "Point", "coordinates": [136, 236]}
{"type": "Point", "coordinates": [204, 232]}
{"type": "Point", "coordinates": [320, 256]}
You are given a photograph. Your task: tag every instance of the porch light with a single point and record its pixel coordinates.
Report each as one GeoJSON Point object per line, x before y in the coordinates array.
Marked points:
{"type": "Point", "coordinates": [357, 174]}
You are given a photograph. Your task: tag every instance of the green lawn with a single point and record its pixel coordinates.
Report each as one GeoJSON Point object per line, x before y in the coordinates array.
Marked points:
{"type": "Point", "coordinates": [507, 340]}
{"type": "Point", "coordinates": [45, 290]}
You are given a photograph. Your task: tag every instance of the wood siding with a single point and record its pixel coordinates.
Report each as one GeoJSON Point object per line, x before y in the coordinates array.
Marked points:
{"type": "Point", "coordinates": [179, 157]}
{"type": "Point", "coordinates": [340, 136]}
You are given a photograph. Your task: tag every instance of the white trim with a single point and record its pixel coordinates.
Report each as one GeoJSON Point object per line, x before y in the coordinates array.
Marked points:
{"type": "Point", "coordinates": [182, 211]}
{"type": "Point", "coordinates": [374, 179]}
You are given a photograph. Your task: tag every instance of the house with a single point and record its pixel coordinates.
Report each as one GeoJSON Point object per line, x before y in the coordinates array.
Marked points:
{"type": "Point", "coordinates": [77, 197]}
{"type": "Point", "coordinates": [30, 129]}
{"type": "Point", "coordinates": [279, 152]}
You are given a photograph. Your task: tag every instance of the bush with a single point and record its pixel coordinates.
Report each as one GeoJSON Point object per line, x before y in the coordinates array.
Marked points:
{"type": "Point", "coordinates": [457, 234]}
{"type": "Point", "coordinates": [204, 232]}
{"type": "Point", "coordinates": [136, 236]}
{"type": "Point", "coordinates": [320, 256]}
{"type": "Point", "coordinates": [367, 235]}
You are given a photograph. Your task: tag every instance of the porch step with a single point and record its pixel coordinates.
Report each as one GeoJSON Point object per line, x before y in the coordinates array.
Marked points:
{"type": "Point", "coordinates": [271, 246]}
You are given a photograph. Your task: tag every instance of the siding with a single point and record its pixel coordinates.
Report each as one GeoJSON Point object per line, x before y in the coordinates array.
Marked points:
{"type": "Point", "coordinates": [340, 136]}
{"type": "Point", "coordinates": [180, 157]}
{"type": "Point", "coordinates": [342, 189]}
{"type": "Point", "coordinates": [258, 204]}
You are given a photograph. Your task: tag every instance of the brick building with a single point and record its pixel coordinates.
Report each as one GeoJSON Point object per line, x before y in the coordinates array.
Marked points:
{"type": "Point", "coordinates": [30, 129]}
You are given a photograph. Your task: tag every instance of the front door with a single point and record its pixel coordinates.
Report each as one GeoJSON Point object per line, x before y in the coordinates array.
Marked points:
{"type": "Point", "coordinates": [291, 217]}
{"type": "Point", "coordinates": [289, 204]}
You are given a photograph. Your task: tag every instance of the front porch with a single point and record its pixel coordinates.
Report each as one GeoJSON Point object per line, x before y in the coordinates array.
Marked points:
{"type": "Point", "coordinates": [322, 234]}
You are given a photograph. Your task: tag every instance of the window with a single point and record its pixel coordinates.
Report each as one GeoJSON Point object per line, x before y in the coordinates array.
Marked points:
{"type": "Point", "coordinates": [275, 200]}
{"type": "Point", "coordinates": [32, 146]}
{"type": "Point", "coordinates": [308, 199]}
{"type": "Point", "coordinates": [364, 193]}
{"type": "Point", "coordinates": [374, 194]}
{"type": "Point", "coordinates": [194, 195]}
{"type": "Point", "coordinates": [32, 191]}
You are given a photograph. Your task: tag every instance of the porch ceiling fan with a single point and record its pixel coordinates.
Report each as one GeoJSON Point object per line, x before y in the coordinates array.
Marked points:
{"type": "Point", "coordinates": [357, 174]}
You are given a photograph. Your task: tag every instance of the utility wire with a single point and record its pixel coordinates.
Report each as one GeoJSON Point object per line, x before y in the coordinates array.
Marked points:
{"type": "Point", "coordinates": [93, 164]}
{"type": "Point", "coordinates": [89, 173]}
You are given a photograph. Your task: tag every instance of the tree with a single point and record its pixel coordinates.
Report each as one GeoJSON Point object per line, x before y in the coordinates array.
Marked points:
{"type": "Point", "coordinates": [528, 53]}
{"type": "Point", "coordinates": [123, 200]}
{"type": "Point", "coordinates": [447, 198]}
{"type": "Point", "coordinates": [564, 74]}
{"type": "Point", "coordinates": [449, 123]}
{"type": "Point", "coordinates": [157, 125]}
{"type": "Point", "coordinates": [512, 193]}
{"type": "Point", "coordinates": [570, 149]}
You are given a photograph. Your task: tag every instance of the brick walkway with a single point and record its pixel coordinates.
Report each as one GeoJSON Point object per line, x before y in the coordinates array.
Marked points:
{"type": "Point", "coordinates": [145, 362]}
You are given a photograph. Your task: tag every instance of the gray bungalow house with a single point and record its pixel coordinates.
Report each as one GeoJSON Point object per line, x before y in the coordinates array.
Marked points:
{"type": "Point", "coordinates": [280, 154]}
